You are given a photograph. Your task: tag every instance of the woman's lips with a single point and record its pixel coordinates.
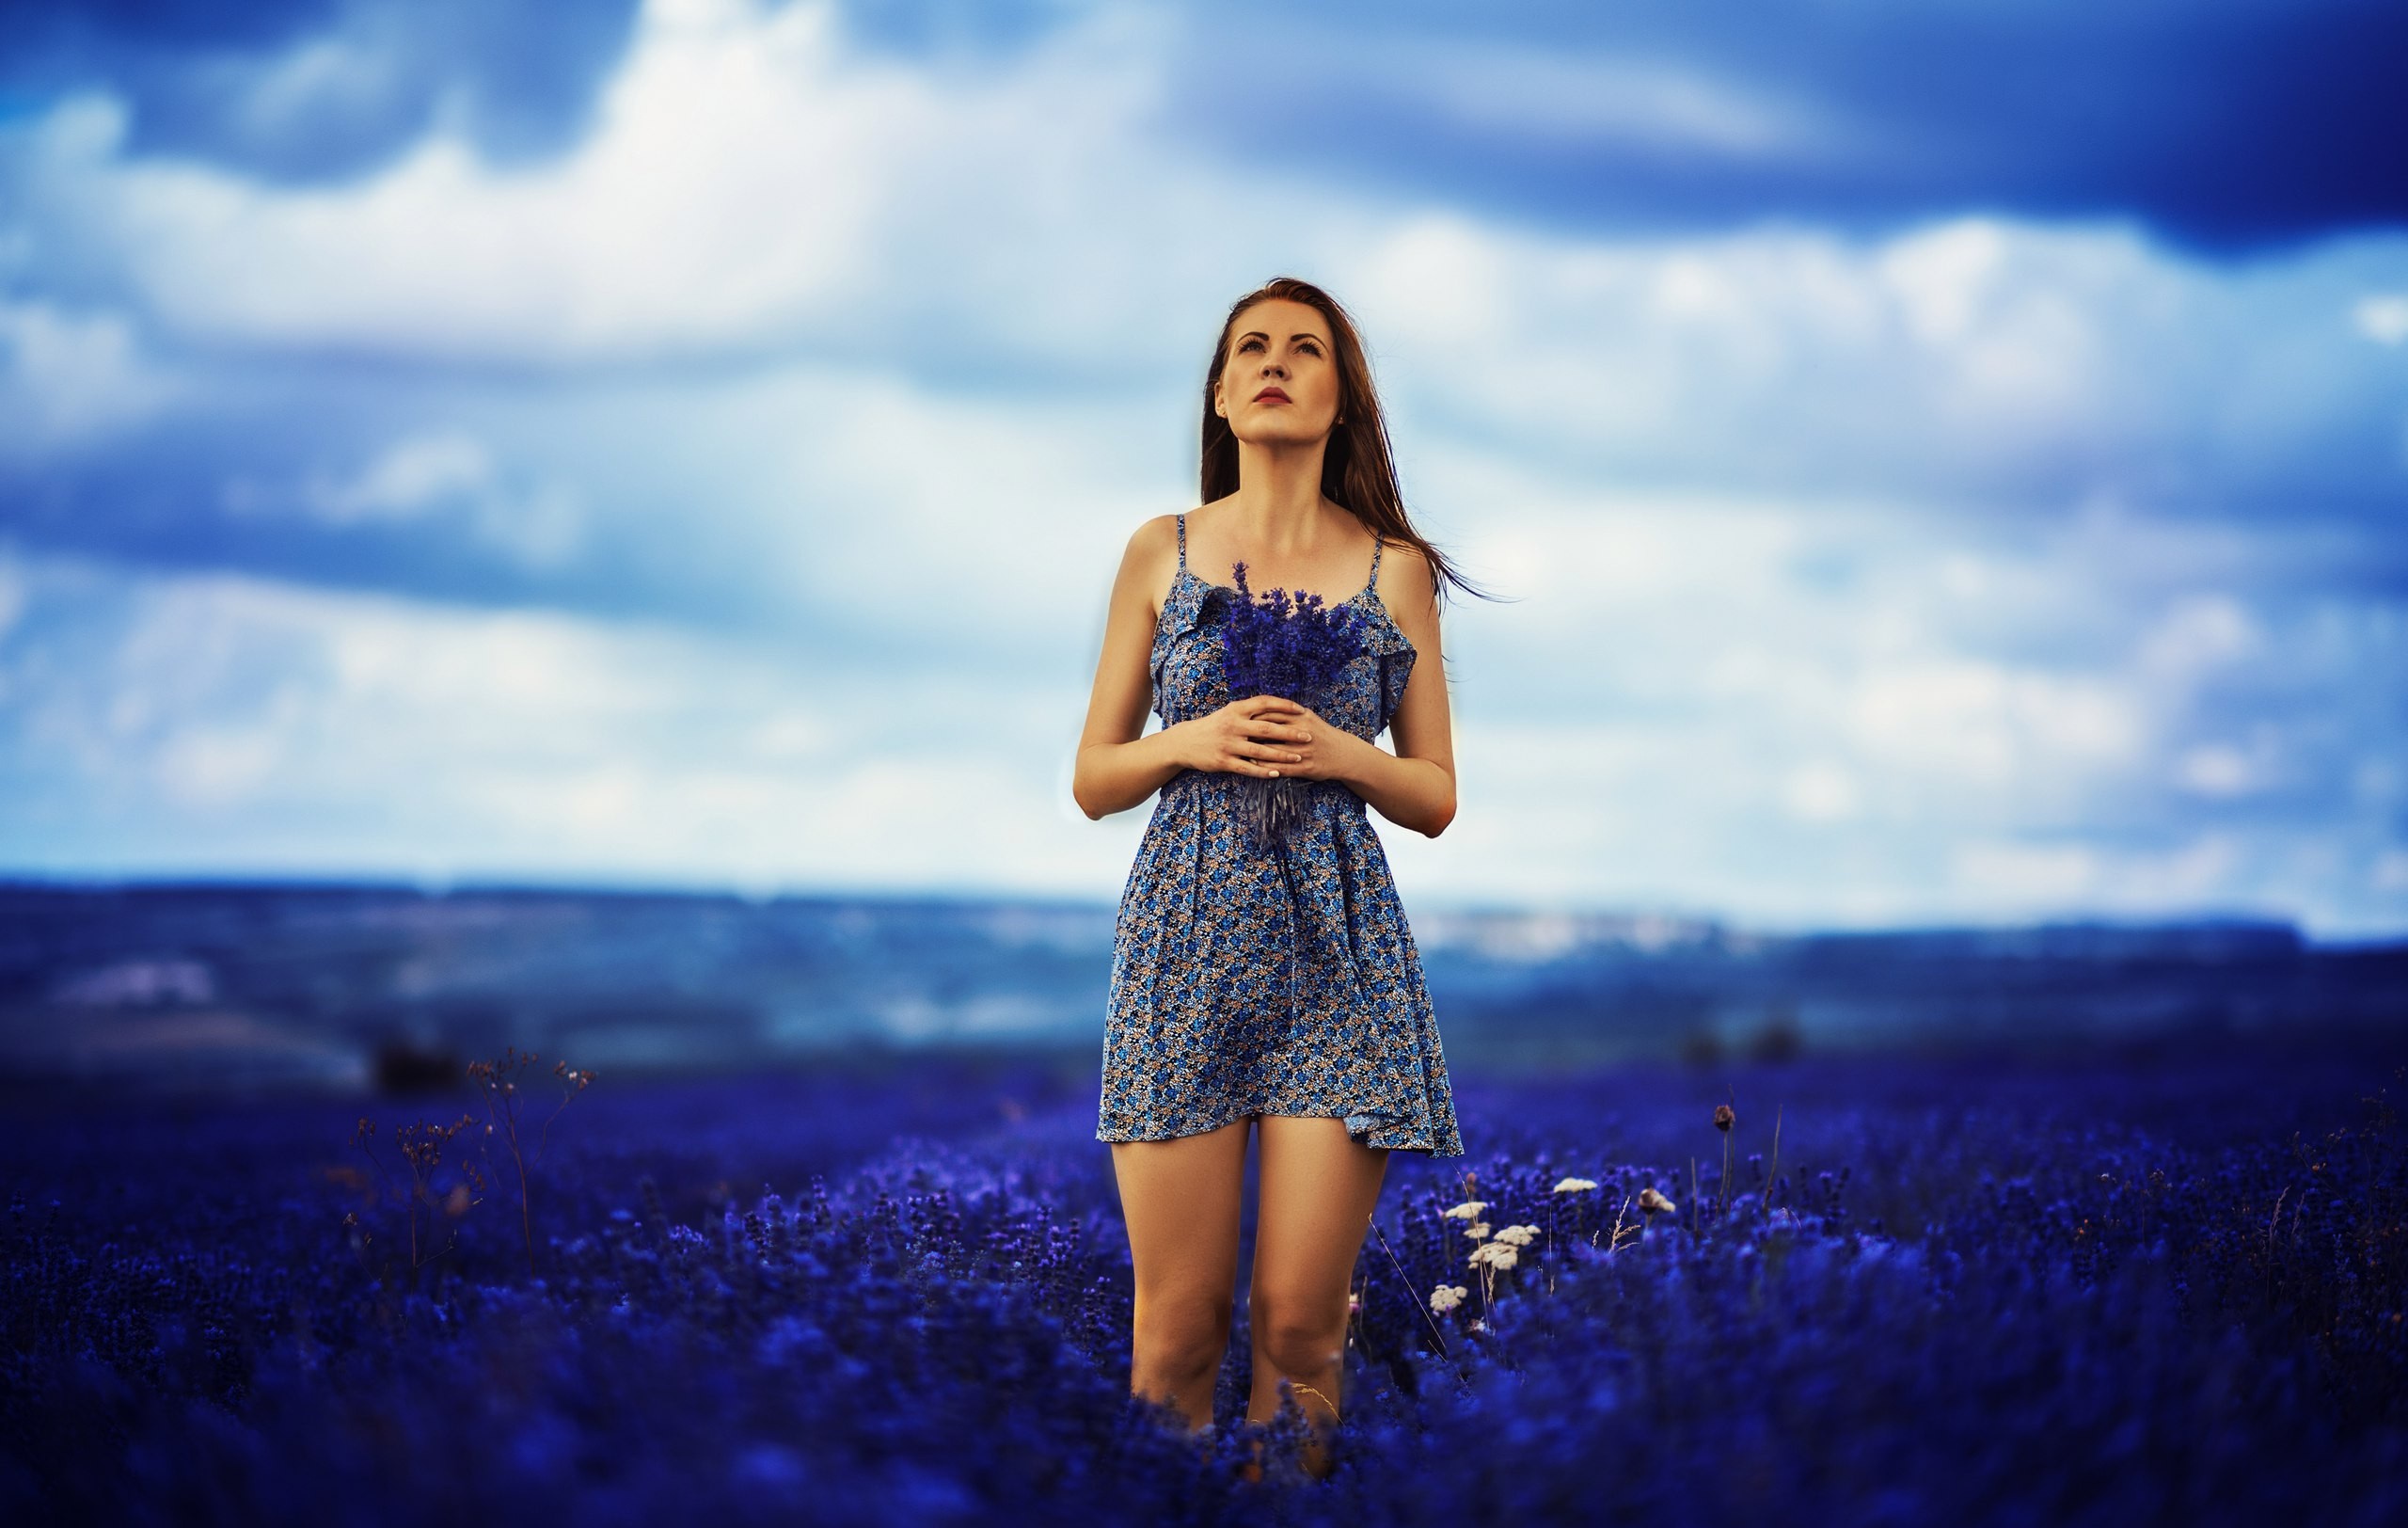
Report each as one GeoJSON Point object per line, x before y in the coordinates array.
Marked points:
{"type": "Point", "coordinates": [1272, 395]}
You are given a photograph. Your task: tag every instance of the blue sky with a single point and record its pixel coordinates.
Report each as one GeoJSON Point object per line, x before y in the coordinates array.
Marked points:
{"type": "Point", "coordinates": [1950, 460]}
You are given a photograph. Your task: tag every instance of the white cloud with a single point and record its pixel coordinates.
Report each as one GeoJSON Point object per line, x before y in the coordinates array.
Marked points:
{"type": "Point", "coordinates": [2390, 871]}
{"type": "Point", "coordinates": [2202, 632]}
{"type": "Point", "coordinates": [220, 718]}
{"type": "Point", "coordinates": [431, 475]}
{"type": "Point", "coordinates": [12, 598]}
{"type": "Point", "coordinates": [2032, 878]}
{"type": "Point", "coordinates": [2025, 876]}
{"type": "Point", "coordinates": [1648, 105]}
{"type": "Point", "coordinates": [2383, 317]}
{"type": "Point", "coordinates": [1806, 712]}
{"type": "Point", "coordinates": [70, 378]}
{"type": "Point", "coordinates": [2216, 769]}
{"type": "Point", "coordinates": [407, 480]}
{"type": "Point", "coordinates": [1820, 793]}
{"type": "Point", "coordinates": [750, 178]}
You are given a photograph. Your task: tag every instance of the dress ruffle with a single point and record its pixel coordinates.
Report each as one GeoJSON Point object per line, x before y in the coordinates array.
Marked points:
{"type": "Point", "coordinates": [1385, 648]}
{"type": "Point", "coordinates": [1386, 644]}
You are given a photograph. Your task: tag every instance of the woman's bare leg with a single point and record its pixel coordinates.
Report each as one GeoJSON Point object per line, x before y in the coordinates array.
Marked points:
{"type": "Point", "coordinates": [1181, 1198]}
{"type": "Point", "coordinates": [1319, 1187]}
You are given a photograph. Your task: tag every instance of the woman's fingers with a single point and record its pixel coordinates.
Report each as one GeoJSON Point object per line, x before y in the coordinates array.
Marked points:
{"type": "Point", "coordinates": [1262, 724]}
{"type": "Point", "coordinates": [1265, 731]}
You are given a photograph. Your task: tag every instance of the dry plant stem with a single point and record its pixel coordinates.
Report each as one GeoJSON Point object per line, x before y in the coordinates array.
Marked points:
{"type": "Point", "coordinates": [1401, 1277]}
{"type": "Point", "coordinates": [1613, 1243]}
{"type": "Point", "coordinates": [359, 1135]}
{"type": "Point", "coordinates": [1772, 1179]}
{"type": "Point", "coordinates": [502, 1104]}
{"type": "Point", "coordinates": [510, 1132]}
{"type": "Point", "coordinates": [1315, 1452]}
{"type": "Point", "coordinates": [421, 1147]}
{"type": "Point", "coordinates": [2272, 1223]}
{"type": "Point", "coordinates": [1722, 1200]}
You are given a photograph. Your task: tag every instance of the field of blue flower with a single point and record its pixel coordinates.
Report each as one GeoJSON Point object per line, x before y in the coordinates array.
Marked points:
{"type": "Point", "coordinates": [2111, 1290]}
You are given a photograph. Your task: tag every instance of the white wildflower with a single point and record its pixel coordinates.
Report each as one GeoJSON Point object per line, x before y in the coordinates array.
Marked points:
{"type": "Point", "coordinates": [1576, 1186]}
{"type": "Point", "coordinates": [1477, 1231]}
{"type": "Point", "coordinates": [1468, 1210]}
{"type": "Point", "coordinates": [1447, 1296]}
{"type": "Point", "coordinates": [1497, 1254]}
{"type": "Point", "coordinates": [1518, 1236]}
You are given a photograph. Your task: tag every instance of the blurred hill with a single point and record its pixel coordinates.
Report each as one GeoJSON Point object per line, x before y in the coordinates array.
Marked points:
{"type": "Point", "coordinates": [359, 987]}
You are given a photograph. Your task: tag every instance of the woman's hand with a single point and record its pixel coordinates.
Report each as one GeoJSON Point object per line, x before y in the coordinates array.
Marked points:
{"type": "Point", "coordinates": [1258, 736]}
{"type": "Point", "coordinates": [1120, 763]}
{"type": "Point", "coordinates": [1316, 749]}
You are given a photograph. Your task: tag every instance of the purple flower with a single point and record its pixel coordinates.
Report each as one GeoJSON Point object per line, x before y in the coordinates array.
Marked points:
{"type": "Point", "coordinates": [1294, 648]}
{"type": "Point", "coordinates": [1272, 644]}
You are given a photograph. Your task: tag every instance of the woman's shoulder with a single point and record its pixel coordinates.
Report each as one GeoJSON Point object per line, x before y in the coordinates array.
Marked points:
{"type": "Point", "coordinates": [1407, 587]}
{"type": "Point", "coordinates": [1163, 528]}
{"type": "Point", "coordinates": [1154, 539]}
{"type": "Point", "coordinates": [1150, 560]}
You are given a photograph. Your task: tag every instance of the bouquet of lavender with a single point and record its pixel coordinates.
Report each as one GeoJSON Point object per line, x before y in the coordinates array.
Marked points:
{"type": "Point", "coordinates": [1294, 648]}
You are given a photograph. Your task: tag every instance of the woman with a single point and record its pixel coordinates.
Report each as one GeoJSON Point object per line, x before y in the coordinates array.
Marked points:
{"type": "Point", "coordinates": [1274, 986]}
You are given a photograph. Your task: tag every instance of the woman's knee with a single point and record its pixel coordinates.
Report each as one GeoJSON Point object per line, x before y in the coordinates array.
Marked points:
{"type": "Point", "coordinates": [1299, 1341]}
{"type": "Point", "coordinates": [1181, 1335]}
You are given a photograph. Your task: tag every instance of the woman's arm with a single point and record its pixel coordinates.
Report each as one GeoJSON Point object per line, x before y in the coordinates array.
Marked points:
{"type": "Point", "coordinates": [1117, 768]}
{"type": "Point", "coordinates": [1415, 787]}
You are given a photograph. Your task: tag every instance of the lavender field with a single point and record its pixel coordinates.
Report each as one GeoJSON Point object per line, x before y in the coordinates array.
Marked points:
{"type": "Point", "coordinates": [2145, 1285]}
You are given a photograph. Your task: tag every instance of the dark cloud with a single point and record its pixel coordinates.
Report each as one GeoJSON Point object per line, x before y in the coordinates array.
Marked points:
{"type": "Point", "coordinates": [315, 90]}
{"type": "Point", "coordinates": [2225, 127]}
{"type": "Point", "coordinates": [2228, 126]}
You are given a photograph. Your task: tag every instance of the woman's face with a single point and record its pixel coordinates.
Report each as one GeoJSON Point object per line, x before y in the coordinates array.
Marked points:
{"type": "Point", "coordinates": [1279, 384]}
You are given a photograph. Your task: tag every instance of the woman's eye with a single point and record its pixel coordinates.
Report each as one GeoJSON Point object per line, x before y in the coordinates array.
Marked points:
{"type": "Point", "coordinates": [1309, 348]}
{"type": "Point", "coordinates": [1249, 344]}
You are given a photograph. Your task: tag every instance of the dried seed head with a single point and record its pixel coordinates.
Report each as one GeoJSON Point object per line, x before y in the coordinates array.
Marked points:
{"type": "Point", "coordinates": [1653, 1203]}
{"type": "Point", "coordinates": [1724, 1116]}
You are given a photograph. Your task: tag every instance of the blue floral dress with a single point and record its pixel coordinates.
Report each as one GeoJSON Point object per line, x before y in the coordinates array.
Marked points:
{"type": "Point", "coordinates": [1273, 982]}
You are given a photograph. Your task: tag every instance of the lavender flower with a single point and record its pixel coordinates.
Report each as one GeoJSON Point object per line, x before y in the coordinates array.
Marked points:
{"type": "Point", "coordinates": [1292, 647]}
{"type": "Point", "coordinates": [1273, 644]}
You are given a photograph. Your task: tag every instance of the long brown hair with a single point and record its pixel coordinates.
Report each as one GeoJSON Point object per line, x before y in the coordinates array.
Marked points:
{"type": "Point", "coordinates": [1357, 468]}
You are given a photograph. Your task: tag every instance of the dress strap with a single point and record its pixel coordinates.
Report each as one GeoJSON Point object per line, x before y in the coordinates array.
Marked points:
{"type": "Point", "coordinates": [1182, 543]}
{"type": "Point", "coordinates": [1379, 542]}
